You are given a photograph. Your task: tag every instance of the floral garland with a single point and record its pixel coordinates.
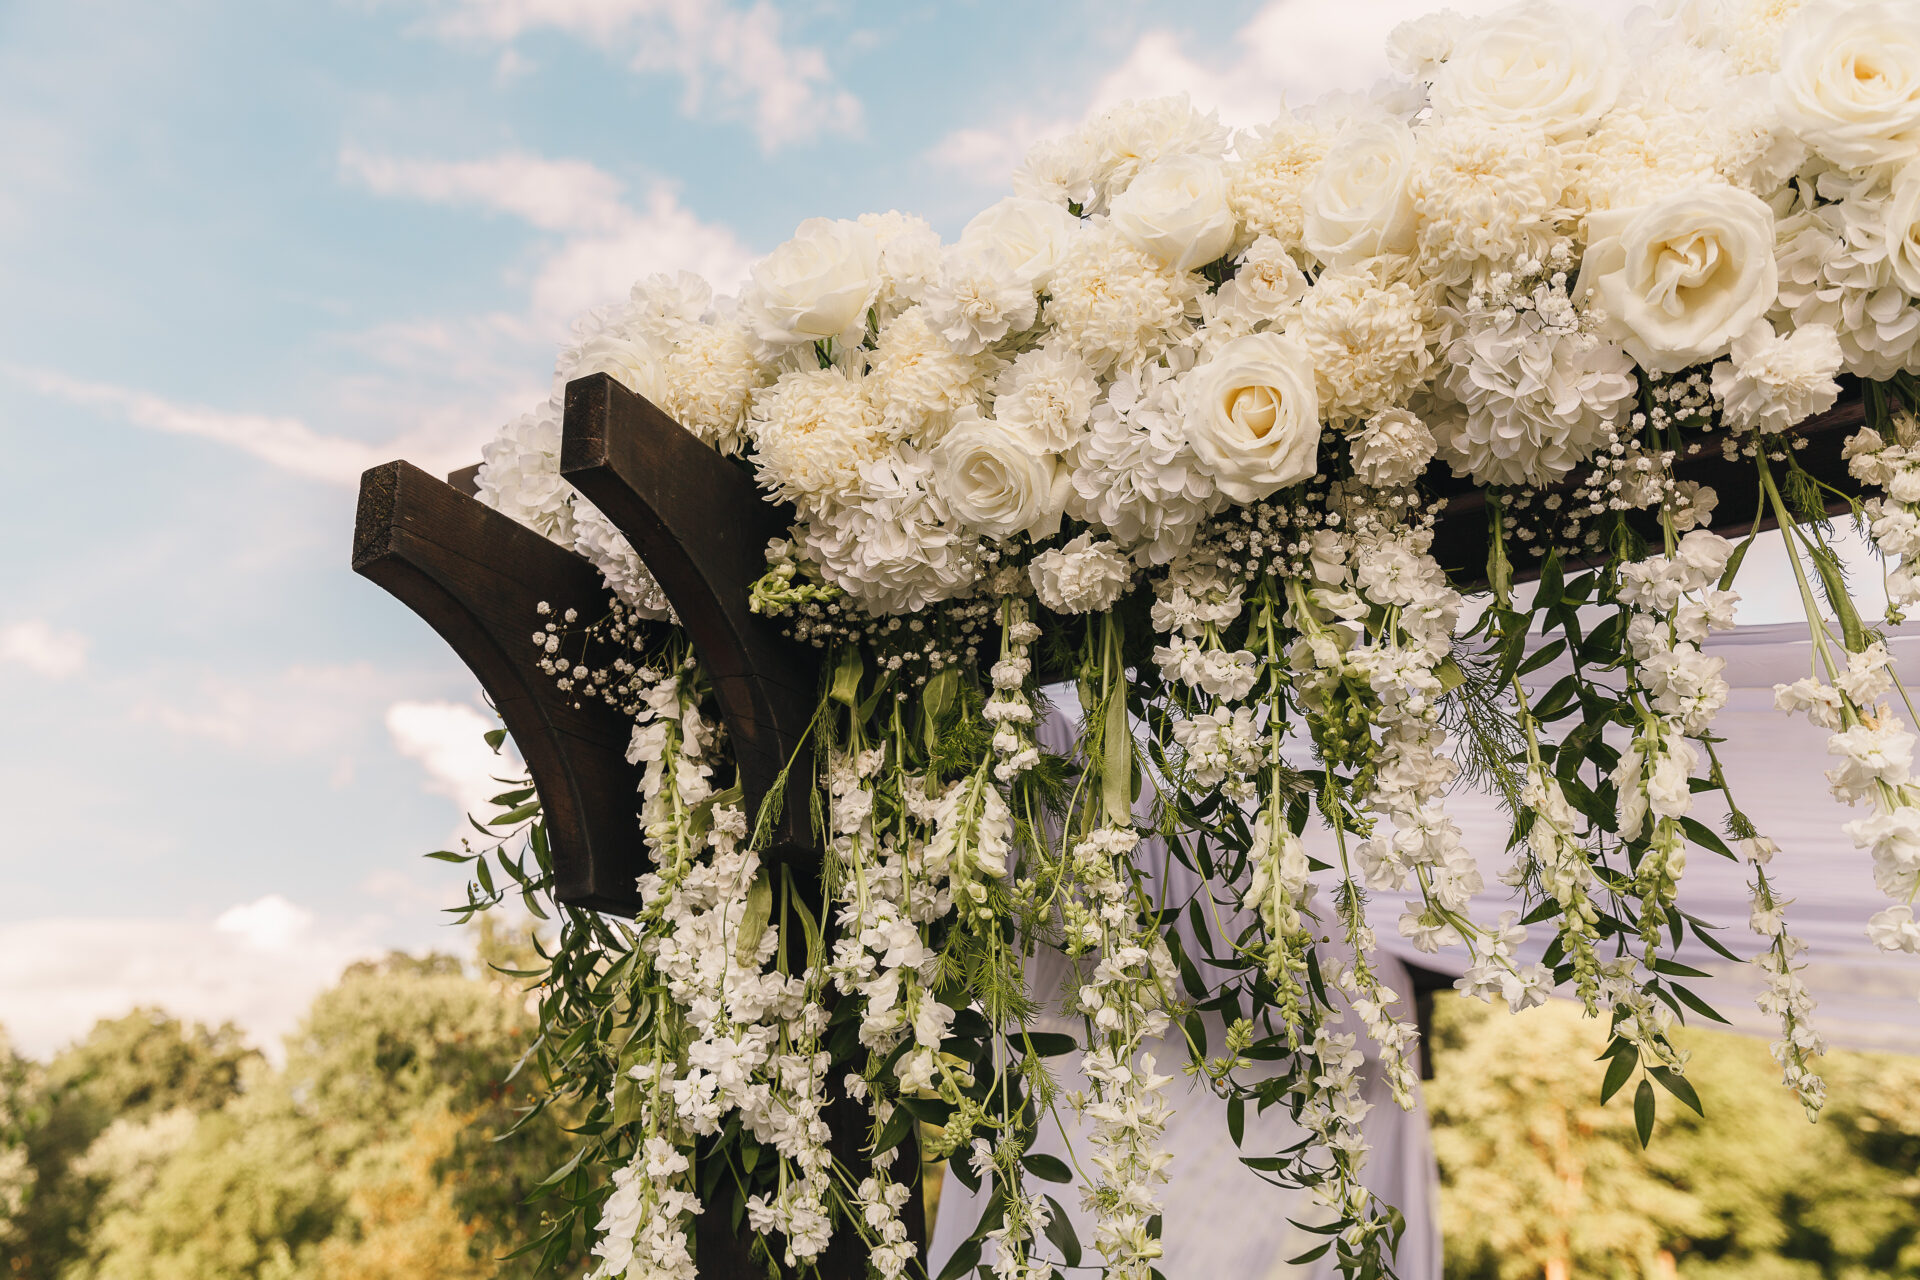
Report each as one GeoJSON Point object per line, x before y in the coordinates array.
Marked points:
{"type": "Point", "coordinates": [1172, 425]}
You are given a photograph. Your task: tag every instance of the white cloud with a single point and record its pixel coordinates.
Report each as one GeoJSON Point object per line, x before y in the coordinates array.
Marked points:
{"type": "Point", "coordinates": [446, 738]}
{"type": "Point", "coordinates": [734, 62]}
{"type": "Point", "coordinates": [35, 645]}
{"type": "Point", "coordinates": [259, 964]}
{"type": "Point", "coordinates": [609, 243]}
{"type": "Point", "coordinates": [300, 710]}
{"type": "Point", "coordinates": [1290, 51]}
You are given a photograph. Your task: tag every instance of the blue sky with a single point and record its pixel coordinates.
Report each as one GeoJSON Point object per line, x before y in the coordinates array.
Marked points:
{"type": "Point", "coordinates": [251, 248]}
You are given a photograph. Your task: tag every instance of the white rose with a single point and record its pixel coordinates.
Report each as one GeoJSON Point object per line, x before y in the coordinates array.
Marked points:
{"type": "Point", "coordinates": [1082, 577]}
{"type": "Point", "coordinates": [1903, 231]}
{"type": "Point", "coordinates": [1252, 415]}
{"type": "Point", "coordinates": [1849, 81]}
{"type": "Point", "coordinates": [997, 483]}
{"type": "Point", "coordinates": [1032, 235]}
{"type": "Point", "coordinates": [817, 285]}
{"type": "Point", "coordinates": [1547, 65]}
{"type": "Point", "coordinates": [1358, 205]}
{"type": "Point", "coordinates": [1176, 210]}
{"type": "Point", "coordinates": [1679, 278]}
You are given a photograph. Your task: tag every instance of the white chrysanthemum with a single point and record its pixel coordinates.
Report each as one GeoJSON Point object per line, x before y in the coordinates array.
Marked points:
{"type": "Point", "coordinates": [1536, 400]}
{"type": "Point", "coordinates": [596, 538]}
{"type": "Point", "coordinates": [896, 549]}
{"type": "Point", "coordinates": [1368, 342]}
{"type": "Point", "coordinates": [707, 381]}
{"type": "Point", "coordinates": [1116, 305]}
{"type": "Point", "coordinates": [1047, 392]}
{"type": "Point", "coordinates": [1637, 156]}
{"type": "Point", "coordinates": [1136, 475]}
{"type": "Point", "coordinates": [520, 474]}
{"type": "Point", "coordinates": [909, 258]}
{"type": "Point", "coordinates": [1836, 269]}
{"type": "Point", "coordinates": [1267, 184]}
{"type": "Point", "coordinates": [1392, 449]}
{"type": "Point", "coordinates": [1748, 31]}
{"type": "Point", "coordinates": [1266, 289]}
{"type": "Point", "coordinates": [1482, 193]}
{"type": "Point", "coordinates": [811, 431]}
{"type": "Point", "coordinates": [1127, 138]}
{"type": "Point", "coordinates": [662, 307]}
{"type": "Point", "coordinates": [978, 299]}
{"type": "Point", "coordinates": [919, 381]}
{"type": "Point", "coordinates": [1773, 382]}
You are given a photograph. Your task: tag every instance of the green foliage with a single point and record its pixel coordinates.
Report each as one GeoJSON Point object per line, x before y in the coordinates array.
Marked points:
{"type": "Point", "coordinates": [1538, 1178]}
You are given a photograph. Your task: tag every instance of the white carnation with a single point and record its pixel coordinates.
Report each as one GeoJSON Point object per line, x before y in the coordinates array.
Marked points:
{"type": "Point", "coordinates": [1084, 576]}
{"type": "Point", "coordinates": [909, 259]}
{"type": "Point", "coordinates": [1772, 382]}
{"type": "Point", "coordinates": [1116, 305]}
{"type": "Point", "coordinates": [811, 431]}
{"type": "Point", "coordinates": [1417, 47]}
{"type": "Point", "coordinates": [1048, 393]}
{"type": "Point", "coordinates": [919, 381]}
{"type": "Point", "coordinates": [1392, 449]}
{"type": "Point", "coordinates": [978, 299]}
{"type": "Point", "coordinates": [1368, 342]}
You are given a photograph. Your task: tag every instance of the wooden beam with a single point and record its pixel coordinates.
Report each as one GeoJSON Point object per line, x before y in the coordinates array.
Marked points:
{"type": "Point", "coordinates": [477, 577]}
{"type": "Point", "coordinates": [700, 523]}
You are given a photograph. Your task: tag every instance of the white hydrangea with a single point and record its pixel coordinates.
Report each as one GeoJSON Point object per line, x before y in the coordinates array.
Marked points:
{"type": "Point", "coordinates": [520, 474]}
{"type": "Point", "coordinates": [812, 430]}
{"type": "Point", "coordinates": [1135, 475]}
{"type": "Point", "coordinates": [894, 547]}
{"type": "Point", "coordinates": [1837, 269]}
{"type": "Point", "coordinates": [597, 538]}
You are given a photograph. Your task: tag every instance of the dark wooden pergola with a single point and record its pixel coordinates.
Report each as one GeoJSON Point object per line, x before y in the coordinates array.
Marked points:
{"type": "Point", "coordinates": [701, 525]}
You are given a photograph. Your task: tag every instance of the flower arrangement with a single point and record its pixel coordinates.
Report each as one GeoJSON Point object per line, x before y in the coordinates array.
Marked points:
{"type": "Point", "coordinates": [1172, 424]}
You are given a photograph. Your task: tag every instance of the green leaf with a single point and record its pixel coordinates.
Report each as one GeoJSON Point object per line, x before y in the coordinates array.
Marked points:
{"type": "Point", "coordinates": [447, 855]}
{"type": "Point", "coordinates": [846, 676]}
{"type": "Point", "coordinates": [1541, 657]}
{"type": "Point", "coordinates": [1236, 1118]}
{"type": "Point", "coordinates": [564, 1169]}
{"type": "Point", "coordinates": [1643, 1105]}
{"type": "Point", "coordinates": [1679, 1086]}
{"type": "Point", "coordinates": [754, 918]}
{"type": "Point", "coordinates": [515, 815]}
{"type": "Point", "coordinates": [495, 737]}
{"type": "Point", "coordinates": [1617, 1073]}
{"type": "Point", "coordinates": [1045, 1167]}
{"type": "Point", "coordinates": [1060, 1231]}
{"type": "Point", "coordinates": [1045, 1044]}
{"type": "Point", "coordinates": [1733, 561]}
{"type": "Point", "coordinates": [1117, 766]}
{"type": "Point", "coordinates": [481, 869]}
{"type": "Point", "coordinates": [961, 1262]}
{"type": "Point", "coordinates": [1449, 674]}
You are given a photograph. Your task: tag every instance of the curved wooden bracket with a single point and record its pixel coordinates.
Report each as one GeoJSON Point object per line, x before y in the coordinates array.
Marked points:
{"type": "Point", "coordinates": [702, 525]}
{"type": "Point", "coordinates": [477, 577]}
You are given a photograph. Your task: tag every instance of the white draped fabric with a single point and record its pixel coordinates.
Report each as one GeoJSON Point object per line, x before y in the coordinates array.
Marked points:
{"type": "Point", "coordinates": [1221, 1220]}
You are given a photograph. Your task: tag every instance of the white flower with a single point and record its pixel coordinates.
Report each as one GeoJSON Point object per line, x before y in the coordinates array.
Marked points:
{"type": "Point", "coordinates": [1700, 558]}
{"type": "Point", "coordinates": [1252, 415]}
{"type": "Point", "coordinates": [1902, 230]}
{"type": "Point", "coordinates": [811, 431]}
{"type": "Point", "coordinates": [817, 285]}
{"type": "Point", "coordinates": [1266, 288]}
{"type": "Point", "coordinates": [1869, 754]}
{"type": "Point", "coordinates": [1837, 268]}
{"type": "Point", "coordinates": [1849, 81]}
{"type": "Point", "coordinates": [1417, 47]}
{"type": "Point", "coordinates": [1269, 180]}
{"type": "Point", "coordinates": [1483, 193]}
{"type": "Point", "coordinates": [998, 482]}
{"type": "Point", "coordinates": [1893, 929]}
{"type": "Point", "coordinates": [1084, 576]}
{"type": "Point", "coordinates": [1135, 135]}
{"type": "Point", "coordinates": [707, 381]}
{"type": "Point", "coordinates": [1774, 382]}
{"type": "Point", "coordinates": [1368, 342]}
{"type": "Point", "coordinates": [520, 474]}
{"type": "Point", "coordinates": [628, 361]}
{"type": "Point", "coordinates": [909, 259]}
{"type": "Point", "coordinates": [1679, 279]}
{"type": "Point", "coordinates": [1048, 393]}
{"type": "Point", "coordinates": [1136, 475]}
{"type": "Point", "coordinates": [1545, 65]}
{"type": "Point", "coordinates": [919, 381]}
{"type": "Point", "coordinates": [597, 538]}
{"type": "Point", "coordinates": [978, 299]}
{"type": "Point", "coordinates": [1115, 304]}
{"type": "Point", "coordinates": [1031, 235]}
{"type": "Point", "coordinates": [896, 548]}
{"type": "Point", "coordinates": [1392, 449]}
{"type": "Point", "coordinates": [1176, 210]}
{"type": "Point", "coordinates": [1358, 205]}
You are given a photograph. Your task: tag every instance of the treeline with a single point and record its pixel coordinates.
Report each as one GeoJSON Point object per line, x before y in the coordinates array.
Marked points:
{"type": "Point", "coordinates": [152, 1150]}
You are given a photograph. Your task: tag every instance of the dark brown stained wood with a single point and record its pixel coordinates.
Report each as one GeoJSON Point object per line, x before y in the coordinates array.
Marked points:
{"type": "Point", "coordinates": [701, 524]}
{"type": "Point", "coordinates": [466, 480]}
{"type": "Point", "coordinates": [477, 577]}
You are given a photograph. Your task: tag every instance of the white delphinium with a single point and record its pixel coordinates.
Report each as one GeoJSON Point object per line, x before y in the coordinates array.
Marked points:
{"type": "Point", "coordinates": [1136, 474]}
{"type": "Point", "coordinates": [1009, 710]}
{"type": "Point", "coordinates": [1893, 522]}
{"type": "Point", "coordinates": [520, 474]}
{"type": "Point", "coordinates": [1117, 305]}
{"type": "Point", "coordinates": [1207, 667]}
{"type": "Point", "coordinates": [1125, 1001]}
{"type": "Point", "coordinates": [1222, 748]}
{"type": "Point", "coordinates": [1786, 997]}
{"type": "Point", "coordinates": [1773, 381]}
{"type": "Point", "coordinates": [1537, 392]}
